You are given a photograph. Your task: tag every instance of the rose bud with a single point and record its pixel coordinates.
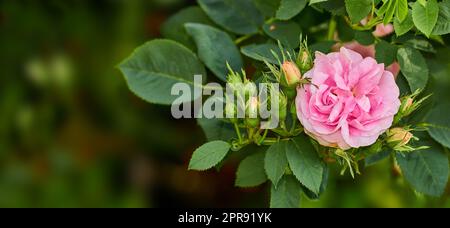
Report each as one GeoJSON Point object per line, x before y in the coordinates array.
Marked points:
{"type": "Point", "coordinates": [283, 107]}
{"type": "Point", "coordinates": [292, 74]}
{"type": "Point", "coordinates": [304, 60]}
{"type": "Point", "coordinates": [230, 112]}
{"type": "Point", "coordinates": [252, 112]}
{"type": "Point", "coordinates": [399, 137]}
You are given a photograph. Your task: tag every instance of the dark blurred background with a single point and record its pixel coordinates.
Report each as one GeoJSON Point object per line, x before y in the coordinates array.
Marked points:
{"type": "Point", "coordinates": [72, 135]}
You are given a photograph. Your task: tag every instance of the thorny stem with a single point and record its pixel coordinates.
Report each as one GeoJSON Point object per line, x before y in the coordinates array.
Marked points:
{"type": "Point", "coordinates": [238, 132]}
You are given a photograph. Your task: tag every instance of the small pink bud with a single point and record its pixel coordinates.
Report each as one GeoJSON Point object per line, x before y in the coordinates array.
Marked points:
{"type": "Point", "coordinates": [383, 30]}
{"type": "Point", "coordinates": [292, 73]}
{"type": "Point", "coordinates": [399, 136]}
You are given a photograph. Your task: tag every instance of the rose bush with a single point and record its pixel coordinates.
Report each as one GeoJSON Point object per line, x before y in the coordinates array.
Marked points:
{"type": "Point", "coordinates": [362, 98]}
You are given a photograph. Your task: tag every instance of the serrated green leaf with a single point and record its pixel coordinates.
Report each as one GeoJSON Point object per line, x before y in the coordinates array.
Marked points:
{"type": "Point", "coordinates": [241, 17]}
{"type": "Point", "coordinates": [268, 8]}
{"type": "Point", "coordinates": [414, 67]}
{"type": "Point", "coordinates": [389, 15]}
{"type": "Point", "coordinates": [216, 129]}
{"type": "Point", "coordinates": [287, 194]}
{"type": "Point", "coordinates": [358, 9]}
{"type": "Point", "coordinates": [426, 170]}
{"type": "Point", "coordinates": [364, 37]}
{"type": "Point", "coordinates": [443, 23]}
{"type": "Point", "coordinates": [439, 123]}
{"type": "Point", "coordinates": [275, 162]}
{"type": "Point", "coordinates": [402, 10]}
{"type": "Point", "coordinates": [215, 49]}
{"type": "Point", "coordinates": [209, 155]}
{"type": "Point", "coordinates": [288, 33]}
{"type": "Point", "coordinates": [425, 16]}
{"type": "Point", "coordinates": [385, 52]}
{"type": "Point", "coordinates": [174, 29]}
{"type": "Point", "coordinates": [305, 163]}
{"type": "Point", "coordinates": [290, 8]}
{"type": "Point", "coordinates": [156, 66]}
{"type": "Point", "coordinates": [262, 52]}
{"type": "Point", "coordinates": [403, 27]}
{"type": "Point", "coordinates": [251, 172]}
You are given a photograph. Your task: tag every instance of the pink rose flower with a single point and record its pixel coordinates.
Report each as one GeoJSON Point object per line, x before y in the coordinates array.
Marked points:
{"type": "Point", "coordinates": [350, 102]}
{"type": "Point", "coordinates": [369, 51]}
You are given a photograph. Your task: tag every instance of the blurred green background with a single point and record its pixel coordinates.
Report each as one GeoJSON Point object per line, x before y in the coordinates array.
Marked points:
{"type": "Point", "coordinates": [72, 135]}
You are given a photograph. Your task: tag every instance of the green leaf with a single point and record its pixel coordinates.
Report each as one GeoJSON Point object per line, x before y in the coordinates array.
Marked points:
{"type": "Point", "coordinates": [402, 10]}
{"type": "Point", "coordinates": [414, 67]}
{"type": "Point", "coordinates": [268, 8]}
{"type": "Point", "coordinates": [364, 37]}
{"type": "Point", "coordinates": [425, 15]}
{"type": "Point", "coordinates": [323, 185]}
{"type": "Point", "coordinates": [287, 194]}
{"type": "Point", "coordinates": [421, 44]}
{"type": "Point", "coordinates": [276, 162]}
{"type": "Point", "coordinates": [209, 155]}
{"type": "Point", "coordinates": [174, 29]}
{"type": "Point", "coordinates": [389, 15]}
{"type": "Point", "coordinates": [156, 66]}
{"type": "Point", "coordinates": [216, 129]}
{"type": "Point", "coordinates": [251, 172]}
{"type": "Point", "coordinates": [439, 123]}
{"type": "Point", "coordinates": [262, 52]}
{"type": "Point", "coordinates": [426, 170]}
{"type": "Point", "coordinates": [375, 158]}
{"type": "Point", "coordinates": [385, 52]}
{"type": "Point", "coordinates": [241, 17]}
{"type": "Point", "coordinates": [403, 27]}
{"type": "Point", "coordinates": [311, 2]}
{"type": "Point", "coordinates": [335, 7]}
{"type": "Point", "coordinates": [290, 8]}
{"type": "Point", "coordinates": [215, 49]}
{"type": "Point", "coordinates": [358, 9]}
{"type": "Point", "coordinates": [305, 163]}
{"type": "Point", "coordinates": [323, 46]}
{"type": "Point", "coordinates": [443, 22]}
{"type": "Point", "coordinates": [288, 33]}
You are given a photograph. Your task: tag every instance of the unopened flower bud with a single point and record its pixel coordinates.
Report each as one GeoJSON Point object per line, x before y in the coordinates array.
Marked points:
{"type": "Point", "coordinates": [250, 89]}
{"type": "Point", "coordinates": [230, 112]}
{"type": "Point", "coordinates": [283, 107]}
{"type": "Point", "coordinates": [399, 137]}
{"type": "Point", "coordinates": [407, 104]}
{"type": "Point", "coordinates": [252, 112]}
{"type": "Point", "coordinates": [292, 73]}
{"type": "Point", "coordinates": [304, 60]}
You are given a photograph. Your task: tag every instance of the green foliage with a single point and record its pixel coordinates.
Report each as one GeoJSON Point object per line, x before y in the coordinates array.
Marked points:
{"type": "Point", "coordinates": [404, 26]}
{"type": "Point", "coordinates": [250, 172]}
{"type": "Point", "coordinates": [174, 28]}
{"type": "Point", "coordinates": [241, 17]}
{"type": "Point", "coordinates": [443, 22]}
{"type": "Point", "coordinates": [385, 52]}
{"type": "Point", "coordinates": [358, 9]}
{"type": "Point", "coordinates": [413, 67]}
{"type": "Point", "coordinates": [215, 49]}
{"type": "Point", "coordinates": [275, 162]}
{"type": "Point", "coordinates": [216, 129]}
{"type": "Point", "coordinates": [426, 170]}
{"type": "Point", "coordinates": [305, 163]}
{"type": "Point", "coordinates": [439, 123]}
{"type": "Point", "coordinates": [262, 52]}
{"type": "Point", "coordinates": [150, 73]}
{"type": "Point", "coordinates": [209, 155]}
{"type": "Point", "coordinates": [288, 33]}
{"type": "Point", "coordinates": [425, 14]}
{"type": "Point", "coordinates": [287, 194]}
{"type": "Point", "coordinates": [290, 8]}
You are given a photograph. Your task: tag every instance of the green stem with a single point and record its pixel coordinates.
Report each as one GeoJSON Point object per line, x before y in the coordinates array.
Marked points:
{"type": "Point", "coordinates": [243, 38]}
{"type": "Point", "coordinates": [263, 137]}
{"type": "Point", "coordinates": [332, 28]}
{"type": "Point", "coordinates": [238, 132]}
